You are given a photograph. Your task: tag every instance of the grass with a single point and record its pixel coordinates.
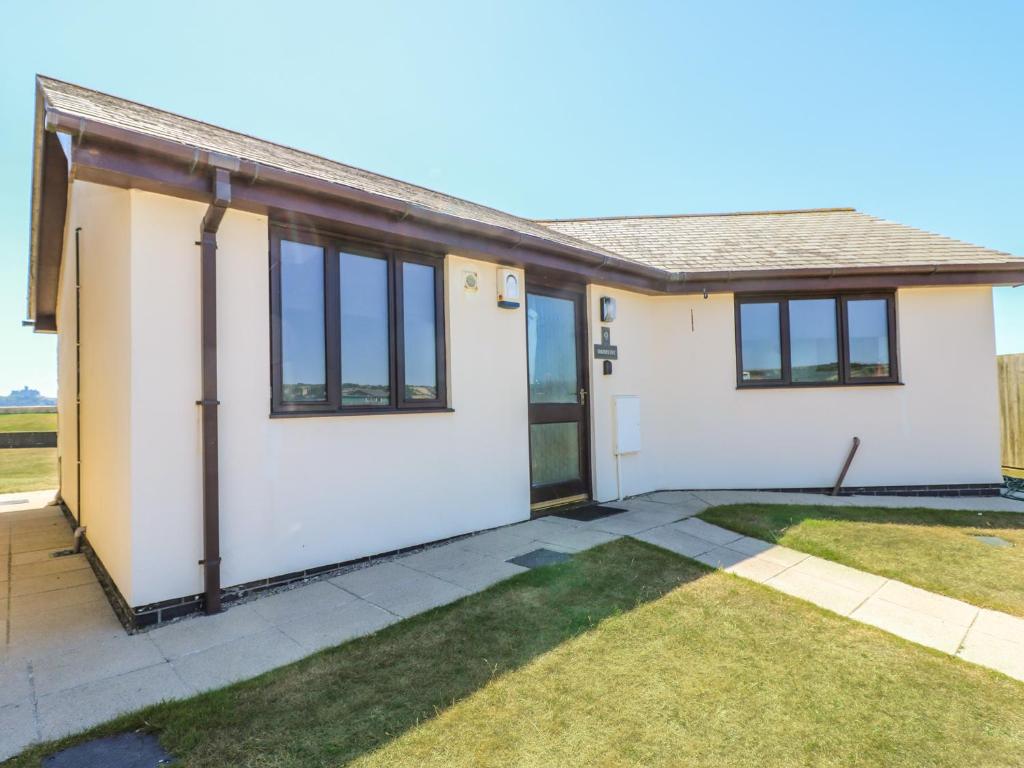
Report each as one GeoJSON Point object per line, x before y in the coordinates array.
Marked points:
{"type": "Point", "coordinates": [932, 549]}
{"type": "Point", "coordinates": [626, 655]}
{"type": "Point", "coordinates": [28, 422]}
{"type": "Point", "coordinates": [27, 469]}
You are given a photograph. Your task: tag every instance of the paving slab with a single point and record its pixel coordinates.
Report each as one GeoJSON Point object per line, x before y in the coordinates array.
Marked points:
{"type": "Point", "coordinates": [635, 521]}
{"type": "Point", "coordinates": [464, 567]}
{"type": "Point", "coordinates": [14, 682]}
{"type": "Point", "coordinates": [47, 582]}
{"type": "Point", "coordinates": [828, 595]}
{"type": "Point", "coordinates": [17, 728]}
{"type": "Point", "coordinates": [911, 625]}
{"type": "Point", "coordinates": [721, 557]}
{"type": "Point", "coordinates": [676, 541]}
{"type": "Point", "coordinates": [238, 660]}
{"type": "Point", "coordinates": [315, 631]}
{"type": "Point", "coordinates": [749, 546]}
{"type": "Point", "coordinates": [320, 597]}
{"type": "Point", "coordinates": [27, 605]}
{"type": "Point", "coordinates": [198, 633]}
{"type": "Point", "coordinates": [502, 543]}
{"type": "Point", "coordinates": [920, 600]}
{"type": "Point", "coordinates": [779, 554]}
{"type": "Point", "coordinates": [1001, 625]}
{"type": "Point", "coordinates": [994, 652]}
{"type": "Point", "coordinates": [95, 661]}
{"type": "Point", "coordinates": [403, 591]}
{"type": "Point", "coordinates": [844, 576]}
{"type": "Point", "coordinates": [76, 709]}
{"type": "Point", "coordinates": [50, 565]}
{"type": "Point", "coordinates": [756, 569]}
{"type": "Point", "coordinates": [702, 530]}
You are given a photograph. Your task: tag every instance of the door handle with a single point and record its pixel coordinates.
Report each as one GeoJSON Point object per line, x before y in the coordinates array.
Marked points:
{"type": "Point", "coordinates": [583, 396]}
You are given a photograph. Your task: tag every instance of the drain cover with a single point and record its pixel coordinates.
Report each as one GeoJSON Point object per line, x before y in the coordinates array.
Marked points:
{"type": "Point", "coordinates": [540, 557]}
{"type": "Point", "coordinates": [125, 750]}
{"type": "Point", "coordinates": [993, 541]}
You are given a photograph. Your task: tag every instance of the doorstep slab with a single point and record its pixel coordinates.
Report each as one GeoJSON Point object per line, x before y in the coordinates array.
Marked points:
{"type": "Point", "coordinates": [576, 539]}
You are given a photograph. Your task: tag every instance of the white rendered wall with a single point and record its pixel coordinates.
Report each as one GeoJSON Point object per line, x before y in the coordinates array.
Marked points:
{"type": "Point", "coordinates": [103, 214]}
{"type": "Point", "coordinates": [301, 492]}
{"type": "Point", "coordinates": [700, 431]}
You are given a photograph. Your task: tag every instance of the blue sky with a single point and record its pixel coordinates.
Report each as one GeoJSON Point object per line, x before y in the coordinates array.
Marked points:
{"type": "Point", "coordinates": [911, 111]}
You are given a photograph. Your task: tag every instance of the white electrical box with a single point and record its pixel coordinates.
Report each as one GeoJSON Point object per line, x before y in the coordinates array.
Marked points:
{"type": "Point", "coordinates": [627, 424]}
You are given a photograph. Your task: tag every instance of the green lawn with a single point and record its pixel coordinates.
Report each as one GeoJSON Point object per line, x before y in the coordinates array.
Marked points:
{"type": "Point", "coordinates": [28, 422]}
{"type": "Point", "coordinates": [626, 655]}
{"type": "Point", "coordinates": [27, 469]}
{"type": "Point", "coordinates": [931, 549]}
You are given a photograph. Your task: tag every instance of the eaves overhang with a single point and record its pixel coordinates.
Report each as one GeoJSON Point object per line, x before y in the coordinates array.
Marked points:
{"type": "Point", "coordinates": [121, 157]}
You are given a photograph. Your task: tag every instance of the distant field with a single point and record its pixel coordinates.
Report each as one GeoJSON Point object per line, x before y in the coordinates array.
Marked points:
{"type": "Point", "coordinates": [27, 469]}
{"type": "Point", "coordinates": [28, 422]}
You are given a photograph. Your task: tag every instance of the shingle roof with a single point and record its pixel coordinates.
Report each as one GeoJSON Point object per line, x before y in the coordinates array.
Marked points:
{"type": "Point", "coordinates": [82, 102]}
{"type": "Point", "coordinates": [781, 240]}
{"type": "Point", "coordinates": [821, 238]}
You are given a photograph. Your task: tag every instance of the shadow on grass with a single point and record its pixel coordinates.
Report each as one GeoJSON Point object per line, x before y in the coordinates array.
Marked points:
{"type": "Point", "coordinates": [771, 521]}
{"type": "Point", "coordinates": [352, 699]}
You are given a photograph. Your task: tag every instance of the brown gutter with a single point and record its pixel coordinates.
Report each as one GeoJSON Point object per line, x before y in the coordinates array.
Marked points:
{"type": "Point", "coordinates": [221, 178]}
{"type": "Point", "coordinates": [253, 172]}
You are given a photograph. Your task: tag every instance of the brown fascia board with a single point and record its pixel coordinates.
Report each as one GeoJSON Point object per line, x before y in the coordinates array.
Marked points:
{"type": "Point", "coordinates": [120, 157]}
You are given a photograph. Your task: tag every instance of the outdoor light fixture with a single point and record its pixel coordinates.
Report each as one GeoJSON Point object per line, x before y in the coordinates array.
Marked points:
{"type": "Point", "coordinates": [508, 289]}
{"type": "Point", "coordinates": [607, 309]}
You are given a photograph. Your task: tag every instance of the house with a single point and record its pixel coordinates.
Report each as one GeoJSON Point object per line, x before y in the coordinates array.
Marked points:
{"type": "Point", "coordinates": [283, 363]}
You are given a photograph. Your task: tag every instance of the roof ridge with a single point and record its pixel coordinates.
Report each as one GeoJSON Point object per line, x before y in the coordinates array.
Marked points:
{"type": "Point", "coordinates": [699, 215]}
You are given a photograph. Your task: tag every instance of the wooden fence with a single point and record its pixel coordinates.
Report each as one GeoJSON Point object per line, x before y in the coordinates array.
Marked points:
{"type": "Point", "coordinates": [1011, 412]}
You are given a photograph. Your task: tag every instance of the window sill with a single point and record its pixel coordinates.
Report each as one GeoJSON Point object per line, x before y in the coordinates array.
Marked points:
{"type": "Point", "coordinates": [355, 412]}
{"type": "Point", "coordinates": [836, 385]}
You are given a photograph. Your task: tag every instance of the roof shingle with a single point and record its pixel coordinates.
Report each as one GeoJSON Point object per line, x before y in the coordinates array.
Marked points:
{"type": "Point", "coordinates": [767, 241]}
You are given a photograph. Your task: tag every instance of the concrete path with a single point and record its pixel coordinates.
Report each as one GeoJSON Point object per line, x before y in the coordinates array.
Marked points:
{"type": "Point", "coordinates": [66, 664]}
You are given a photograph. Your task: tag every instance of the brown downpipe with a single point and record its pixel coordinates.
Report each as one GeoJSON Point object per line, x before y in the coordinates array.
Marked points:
{"type": "Point", "coordinates": [221, 179]}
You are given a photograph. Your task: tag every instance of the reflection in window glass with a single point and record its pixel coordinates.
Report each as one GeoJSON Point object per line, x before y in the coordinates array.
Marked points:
{"type": "Point", "coordinates": [813, 342]}
{"type": "Point", "coordinates": [551, 349]}
{"type": "Point", "coordinates": [365, 351]}
{"type": "Point", "coordinates": [303, 368]}
{"type": "Point", "coordinates": [868, 324]}
{"type": "Point", "coordinates": [761, 348]}
{"type": "Point", "coordinates": [419, 327]}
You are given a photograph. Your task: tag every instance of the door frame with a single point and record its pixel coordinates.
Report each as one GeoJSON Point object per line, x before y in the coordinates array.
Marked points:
{"type": "Point", "coordinates": [549, 495]}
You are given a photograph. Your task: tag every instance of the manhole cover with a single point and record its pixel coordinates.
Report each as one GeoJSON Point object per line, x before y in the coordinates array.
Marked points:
{"type": "Point", "coordinates": [125, 750]}
{"type": "Point", "coordinates": [993, 541]}
{"type": "Point", "coordinates": [540, 557]}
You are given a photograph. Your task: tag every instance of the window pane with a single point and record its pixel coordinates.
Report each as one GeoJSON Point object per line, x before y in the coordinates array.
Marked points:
{"type": "Point", "coordinates": [419, 326]}
{"type": "Point", "coordinates": [760, 348]}
{"type": "Point", "coordinates": [868, 322]}
{"type": "Point", "coordinates": [554, 452]}
{"type": "Point", "coordinates": [551, 349]}
{"type": "Point", "coordinates": [813, 343]}
{"type": "Point", "coordinates": [365, 349]}
{"type": "Point", "coordinates": [303, 369]}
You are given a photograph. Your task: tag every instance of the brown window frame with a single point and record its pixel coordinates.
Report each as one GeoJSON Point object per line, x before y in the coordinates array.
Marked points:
{"type": "Point", "coordinates": [395, 257]}
{"type": "Point", "coordinates": [843, 337]}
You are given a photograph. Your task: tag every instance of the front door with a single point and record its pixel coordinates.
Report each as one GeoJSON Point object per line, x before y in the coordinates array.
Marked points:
{"type": "Point", "coordinates": [557, 373]}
